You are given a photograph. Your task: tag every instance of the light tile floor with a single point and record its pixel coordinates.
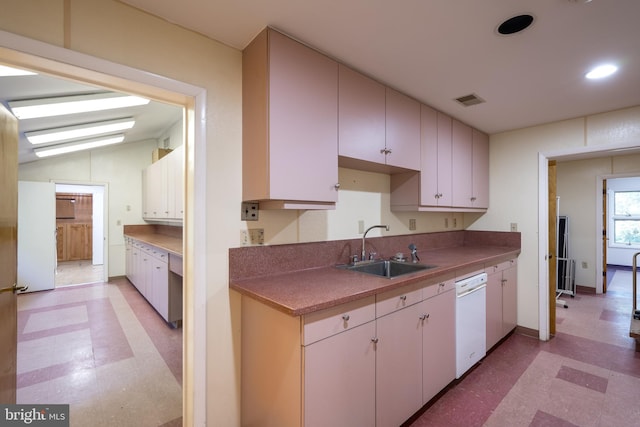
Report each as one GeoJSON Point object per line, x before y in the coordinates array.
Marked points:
{"type": "Point", "coordinates": [102, 349]}
{"type": "Point", "coordinates": [78, 273]}
{"type": "Point", "coordinates": [587, 375]}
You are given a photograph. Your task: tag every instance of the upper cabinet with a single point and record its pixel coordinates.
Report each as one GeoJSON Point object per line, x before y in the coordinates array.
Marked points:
{"type": "Point", "coordinates": [290, 124]}
{"type": "Point", "coordinates": [378, 127]}
{"type": "Point", "coordinates": [454, 169]}
{"type": "Point", "coordinates": [163, 188]}
{"type": "Point", "coordinates": [361, 112]}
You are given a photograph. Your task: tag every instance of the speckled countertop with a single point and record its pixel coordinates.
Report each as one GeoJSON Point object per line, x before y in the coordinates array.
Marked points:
{"type": "Point", "coordinates": [164, 237]}
{"type": "Point", "coordinates": [302, 278]}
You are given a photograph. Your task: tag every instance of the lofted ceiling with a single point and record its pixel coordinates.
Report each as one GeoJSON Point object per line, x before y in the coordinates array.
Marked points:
{"type": "Point", "coordinates": [439, 50]}
{"type": "Point", "coordinates": [152, 120]}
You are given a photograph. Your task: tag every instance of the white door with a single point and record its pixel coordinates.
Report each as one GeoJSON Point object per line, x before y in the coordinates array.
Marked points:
{"type": "Point", "coordinates": [36, 235]}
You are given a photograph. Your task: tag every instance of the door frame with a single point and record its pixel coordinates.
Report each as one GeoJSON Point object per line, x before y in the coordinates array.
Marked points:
{"type": "Point", "coordinates": [105, 218]}
{"type": "Point", "coordinates": [32, 54]}
{"type": "Point", "coordinates": [543, 221]}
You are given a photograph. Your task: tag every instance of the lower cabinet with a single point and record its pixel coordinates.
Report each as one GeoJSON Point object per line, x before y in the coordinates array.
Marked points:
{"type": "Point", "coordinates": [339, 379]}
{"type": "Point", "coordinates": [501, 300]}
{"type": "Point", "coordinates": [372, 362]}
{"type": "Point", "coordinates": [147, 268]}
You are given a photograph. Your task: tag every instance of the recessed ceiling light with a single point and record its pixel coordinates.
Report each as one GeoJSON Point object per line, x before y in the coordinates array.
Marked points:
{"type": "Point", "coordinates": [601, 71]}
{"type": "Point", "coordinates": [515, 24]}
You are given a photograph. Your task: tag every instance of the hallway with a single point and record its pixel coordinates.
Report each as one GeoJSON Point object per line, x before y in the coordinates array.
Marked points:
{"type": "Point", "coordinates": [102, 349]}
{"type": "Point", "coordinates": [588, 375]}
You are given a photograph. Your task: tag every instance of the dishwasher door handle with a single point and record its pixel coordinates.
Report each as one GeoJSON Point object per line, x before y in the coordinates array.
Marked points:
{"type": "Point", "coordinates": [470, 291]}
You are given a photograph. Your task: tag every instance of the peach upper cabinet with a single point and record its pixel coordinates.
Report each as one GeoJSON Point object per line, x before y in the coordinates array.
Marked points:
{"type": "Point", "coordinates": [378, 127]}
{"type": "Point", "coordinates": [454, 168]}
{"type": "Point", "coordinates": [290, 124]}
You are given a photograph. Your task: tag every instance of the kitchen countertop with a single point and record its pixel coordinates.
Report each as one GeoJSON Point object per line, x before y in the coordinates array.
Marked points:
{"type": "Point", "coordinates": [168, 238]}
{"type": "Point", "coordinates": [303, 291]}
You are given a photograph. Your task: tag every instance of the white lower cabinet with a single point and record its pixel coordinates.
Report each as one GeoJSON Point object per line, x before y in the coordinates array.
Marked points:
{"type": "Point", "coordinates": [147, 269]}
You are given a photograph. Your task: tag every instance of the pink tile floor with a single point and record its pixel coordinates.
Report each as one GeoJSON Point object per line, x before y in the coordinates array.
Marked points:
{"type": "Point", "coordinates": [588, 375]}
{"type": "Point", "coordinates": [102, 349]}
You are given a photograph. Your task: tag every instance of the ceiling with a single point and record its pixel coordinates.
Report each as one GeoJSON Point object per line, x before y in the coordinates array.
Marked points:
{"type": "Point", "coordinates": [439, 50]}
{"type": "Point", "coordinates": [152, 120]}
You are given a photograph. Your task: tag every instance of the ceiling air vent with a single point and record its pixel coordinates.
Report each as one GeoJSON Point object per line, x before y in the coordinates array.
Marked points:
{"type": "Point", "coordinates": [469, 100]}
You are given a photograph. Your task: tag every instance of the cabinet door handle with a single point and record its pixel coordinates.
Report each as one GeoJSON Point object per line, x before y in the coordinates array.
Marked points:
{"type": "Point", "coordinates": [345, 317]}
{"type": "Point", "coordinates": [337, 185]}
{"type": "Point", "coordinates": [374, 340]}
{"type": "Point", "coordinates": [403, 298]}
{"type": "Point", "coordinates": [424, 317]}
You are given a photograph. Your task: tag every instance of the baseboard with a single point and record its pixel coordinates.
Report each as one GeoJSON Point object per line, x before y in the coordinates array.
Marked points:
{"type": "Point", "coordinates": [534, 333]}
{"type": "Point", "coordinates": [585, 289]}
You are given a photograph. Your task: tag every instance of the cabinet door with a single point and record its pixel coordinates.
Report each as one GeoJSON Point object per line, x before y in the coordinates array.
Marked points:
{"type": "Point", "coordinates": [402, 131]}
{"type": "Point", "coordinates": [303, 122]}
{"type": "Point", "coordinates": [438, 343]}
{"type": "Point", "coordinates": [339, 379]}
{"type": "Point", "coordinates": [78, 241]}
{"type": "Point", "coordinates": [361, 116]}
{"type": "Point", "coordinates": [494, 308]}
{"type": "Point", "coordinates": [177, 180]}
{"type": "Point", "coordinates": [462, 163]}
{"type": "Point", "coordinates": [154, 194]}
{"type": "Point", "coordinates": [480, 181]}
{"type": "Point", "coordinates": [509, 298]}
{"type": "Point", "coordinates": [61, 252]}
{"type": "Point", "coordinates": [429, 156]}
{"type": "Point", "coordinates": [444, 160]}
{"type": "Point", "coordinates": [158, 287]}
{"type": "Point", "coordinates": [398, 366]}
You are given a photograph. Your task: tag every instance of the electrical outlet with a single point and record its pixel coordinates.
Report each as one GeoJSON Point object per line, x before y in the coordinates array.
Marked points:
{"type": "Point", "coordinates": [253, 236]}
{"type": "Point", "coordinates": [584, 264]}
{"type": "Point", "coordinates": [514, 226]}
{"type": "Point", "coordinates": [249, 211]}
{"type": "Point", "coordinates": [446, 223]}
{"type": "Point", "coordinates": [412, 224]}
{"type": "Point", "coordinates": [361, 227]}
{"type": "Point", "coordinates": [455, 222]}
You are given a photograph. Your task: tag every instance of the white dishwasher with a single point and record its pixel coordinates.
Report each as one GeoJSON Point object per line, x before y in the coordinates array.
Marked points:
{"type": "Point", "coordinates": [471, 321]}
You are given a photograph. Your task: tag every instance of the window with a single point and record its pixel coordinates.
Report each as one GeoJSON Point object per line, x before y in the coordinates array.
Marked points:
{"type": "Point", "coordinates": [626, 218]}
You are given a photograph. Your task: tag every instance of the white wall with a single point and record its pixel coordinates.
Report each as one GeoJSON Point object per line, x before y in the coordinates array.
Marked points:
{"type": "Point", "coordinates": [118, 166]}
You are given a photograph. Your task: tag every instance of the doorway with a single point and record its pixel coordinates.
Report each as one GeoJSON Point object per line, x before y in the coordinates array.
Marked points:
{"type": "Point", "coordinates": [27, 53]}
{"type": "Point", "coordinates": [81, 245]}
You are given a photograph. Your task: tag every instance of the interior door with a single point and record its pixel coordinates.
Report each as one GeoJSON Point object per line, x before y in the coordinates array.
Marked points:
{"type": "Point", "coordinates": [8, 254]}
{"type": "Point", "coordinates": [605, 237]}
{"type": "Point", "coordinates": [37, 235]}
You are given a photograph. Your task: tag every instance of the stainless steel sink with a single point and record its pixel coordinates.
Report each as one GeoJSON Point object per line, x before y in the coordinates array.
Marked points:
{"type": "Point", "coordinates": [385, 268]}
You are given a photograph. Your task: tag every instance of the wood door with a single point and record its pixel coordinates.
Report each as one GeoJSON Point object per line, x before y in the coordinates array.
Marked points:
{"type": "Point", "coordinates": [8, 254]}
{"type": "Point", "coordinates": [551, 255]}
{"type": "Point", "coordinates": [78, 241]}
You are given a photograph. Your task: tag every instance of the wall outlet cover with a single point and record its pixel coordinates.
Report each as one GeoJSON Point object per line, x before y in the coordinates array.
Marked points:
{"type": "Point", "coordinates": [249, 211]}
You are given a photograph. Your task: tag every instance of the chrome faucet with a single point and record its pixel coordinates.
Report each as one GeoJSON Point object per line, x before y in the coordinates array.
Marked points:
{"type": "Point", "coordinates": [414, 253]}
{"type": "Point", "coordinates": [364, 253]}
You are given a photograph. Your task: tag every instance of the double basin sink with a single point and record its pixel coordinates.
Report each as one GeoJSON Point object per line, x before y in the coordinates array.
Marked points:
{"type": "Point", "coordinates": [386, 268]}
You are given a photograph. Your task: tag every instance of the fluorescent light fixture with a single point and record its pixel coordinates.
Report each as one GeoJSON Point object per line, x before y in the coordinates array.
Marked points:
{"type": "Point", "coordinates": [601, 71]}
{"type": "Point", "coordinates": [54, 150]}
{"type": "Point", "coordinates": [67, 133]}
{"type": "Point", "coordinates": [12, 72]}
{"type": "Point", "coordinates": [49, 107]}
